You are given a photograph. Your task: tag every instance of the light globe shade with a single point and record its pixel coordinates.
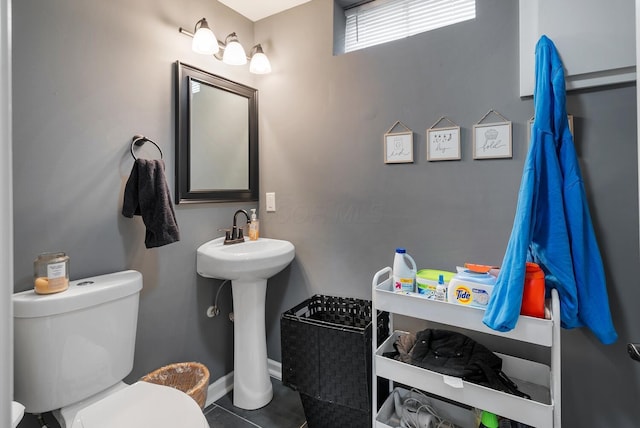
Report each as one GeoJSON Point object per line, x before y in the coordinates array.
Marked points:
{"type": "Point", "coordinates": [204, 41]}
{"type": "Point", "coordinates": [260, 64]}
{"type": "Point", "coordinates": [234, 53]}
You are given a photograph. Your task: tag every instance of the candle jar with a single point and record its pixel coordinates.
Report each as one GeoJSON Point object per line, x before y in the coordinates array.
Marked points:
{"type": "Point", "coordinates": [51, 273]}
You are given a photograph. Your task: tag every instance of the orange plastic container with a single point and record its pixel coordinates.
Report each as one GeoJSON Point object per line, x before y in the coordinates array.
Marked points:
{"type": "Point", "coordinates": [533, 296]}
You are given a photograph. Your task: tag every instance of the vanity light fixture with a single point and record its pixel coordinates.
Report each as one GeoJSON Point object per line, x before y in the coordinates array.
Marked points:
{"type": "Point", "coordinates": [234, 53]}
{"type": "Point", "coordinates": [259, 62]}
{"type": "Point", "coordinates": [206, 43]}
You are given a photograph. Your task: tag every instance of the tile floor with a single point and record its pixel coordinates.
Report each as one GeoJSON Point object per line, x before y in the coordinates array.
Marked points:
{"type": "Point", "coordinates": [284, 411]}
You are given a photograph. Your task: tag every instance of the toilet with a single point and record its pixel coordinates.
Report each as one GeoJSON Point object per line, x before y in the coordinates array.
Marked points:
{"type": "Point", "coordinates": [73, 349]}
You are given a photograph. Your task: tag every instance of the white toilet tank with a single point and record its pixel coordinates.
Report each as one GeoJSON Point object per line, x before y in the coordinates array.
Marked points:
{"type": "Point", "coordinates": [71, 345]}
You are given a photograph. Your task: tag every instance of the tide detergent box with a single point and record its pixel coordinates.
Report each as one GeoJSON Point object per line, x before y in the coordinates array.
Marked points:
{"type": "Point", "coordinates": [470, 288]}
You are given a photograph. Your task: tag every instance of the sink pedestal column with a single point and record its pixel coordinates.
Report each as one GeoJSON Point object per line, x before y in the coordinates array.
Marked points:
{"type": "Point", "coordinates": [252, 387]}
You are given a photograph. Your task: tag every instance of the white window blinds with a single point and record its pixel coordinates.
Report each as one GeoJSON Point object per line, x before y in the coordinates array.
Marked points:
{"type": "Point", "coordinates": [381, 21]}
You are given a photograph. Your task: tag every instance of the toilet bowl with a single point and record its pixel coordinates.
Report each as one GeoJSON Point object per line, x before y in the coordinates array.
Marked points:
{"type": "Point", "coordinates": [73, 349]}
{"type": "Point", "coordinates": [17, 412]}
{"type": "Point", "coordinates": [142, 404]}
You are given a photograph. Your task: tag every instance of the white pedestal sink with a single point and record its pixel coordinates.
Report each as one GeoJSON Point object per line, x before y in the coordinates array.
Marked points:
{"type": "Point", "coordinates": [248, 265]}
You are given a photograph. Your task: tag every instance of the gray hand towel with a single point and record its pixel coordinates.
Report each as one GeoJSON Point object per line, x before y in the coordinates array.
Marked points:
{"type": "Point", "coordinates": [147, 194]}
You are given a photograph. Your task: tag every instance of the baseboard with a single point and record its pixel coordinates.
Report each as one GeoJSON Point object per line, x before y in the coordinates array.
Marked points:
{"type": "Point", "coordinates": [222, 386]}
{"type": "Point", "coordinates": [275, 369]}
{"type": "Point", "coordinates": [219, 388]}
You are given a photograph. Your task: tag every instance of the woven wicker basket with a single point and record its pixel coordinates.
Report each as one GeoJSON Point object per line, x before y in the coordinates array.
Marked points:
{"type": "Point", "coordinates": [191, 378]}
{"type": "Point", "coordinates": [326, 354]}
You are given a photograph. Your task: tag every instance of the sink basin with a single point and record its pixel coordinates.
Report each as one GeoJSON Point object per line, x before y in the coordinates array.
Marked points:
{"type": "Point", "coordinates": [250, 259]}
{"type": "Point", "coordinates": [248, 265]}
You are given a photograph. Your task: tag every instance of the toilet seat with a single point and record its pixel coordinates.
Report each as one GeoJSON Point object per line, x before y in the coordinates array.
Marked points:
{"type": "Point", "coordinates": [142, 404]}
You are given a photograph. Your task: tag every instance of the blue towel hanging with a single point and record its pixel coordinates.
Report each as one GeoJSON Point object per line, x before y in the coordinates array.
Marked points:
{"type": "Point", "coordinates": [552, 225]}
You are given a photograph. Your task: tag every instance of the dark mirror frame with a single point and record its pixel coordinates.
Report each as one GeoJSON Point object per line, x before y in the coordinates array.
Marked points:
{"type": "Point", "coordinates": [184, 194]}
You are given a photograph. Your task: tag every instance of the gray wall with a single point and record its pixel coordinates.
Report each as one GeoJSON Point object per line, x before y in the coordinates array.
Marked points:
{"type": "Point", "coordinates": [88, 76]}
{"type": "Point", "coordinates": [323, 118]}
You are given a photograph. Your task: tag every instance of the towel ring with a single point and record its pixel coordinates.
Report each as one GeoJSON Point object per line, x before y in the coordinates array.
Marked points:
{"type": "Point", "coordinates": [139, 140]}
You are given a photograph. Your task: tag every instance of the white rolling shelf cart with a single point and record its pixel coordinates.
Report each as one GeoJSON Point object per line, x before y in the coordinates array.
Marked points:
{"type": "Point", "coordinates": [538, 380]}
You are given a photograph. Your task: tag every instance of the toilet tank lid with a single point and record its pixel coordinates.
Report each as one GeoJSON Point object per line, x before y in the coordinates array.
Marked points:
{"type": "Point", "coordinates": [82, 293]}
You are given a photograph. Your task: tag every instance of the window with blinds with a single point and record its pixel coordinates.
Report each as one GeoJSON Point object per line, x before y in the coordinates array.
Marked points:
{"type": "Point", "coordinates": [381, 21]}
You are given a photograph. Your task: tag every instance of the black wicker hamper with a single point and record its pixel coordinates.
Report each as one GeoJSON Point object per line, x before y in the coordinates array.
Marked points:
{"type": "Point", "coordinates": [326, 357]}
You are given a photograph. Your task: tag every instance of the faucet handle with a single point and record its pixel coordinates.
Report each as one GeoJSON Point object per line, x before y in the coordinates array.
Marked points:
{"type": "Point", "coordinates": [227, 233]}
{"type": "Point", "coordinates": [240, 233]}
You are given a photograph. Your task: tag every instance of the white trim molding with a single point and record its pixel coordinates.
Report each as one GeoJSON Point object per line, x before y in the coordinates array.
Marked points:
{"type": "Point", "coordinates": [6, 218]}
{"type": "Point", "coordinates": [223, 385]}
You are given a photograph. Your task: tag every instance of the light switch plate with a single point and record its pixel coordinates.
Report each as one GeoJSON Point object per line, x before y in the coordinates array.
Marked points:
{"type": "Point", "coordinates": [271, 202]}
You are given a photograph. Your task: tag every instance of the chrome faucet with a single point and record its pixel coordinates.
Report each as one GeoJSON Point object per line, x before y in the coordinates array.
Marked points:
{"type": "Point", "coordinates": [235, 235]}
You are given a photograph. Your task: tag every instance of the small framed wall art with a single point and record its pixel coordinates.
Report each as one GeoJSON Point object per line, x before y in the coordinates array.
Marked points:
{"type": "Point", "coordinates": [492, 140]}
{"type": "Point", "coordinates": [443, 143]}
{"type": "Point", "coordinates": [398, 146]}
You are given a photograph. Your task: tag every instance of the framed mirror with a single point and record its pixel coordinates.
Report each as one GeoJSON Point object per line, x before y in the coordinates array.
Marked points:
{"type": "Point", "coordinates": [216, 138]}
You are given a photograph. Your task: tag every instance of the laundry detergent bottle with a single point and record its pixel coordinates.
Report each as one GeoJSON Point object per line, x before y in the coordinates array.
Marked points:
{"type": "Point", "coordinates": [404, 272]}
